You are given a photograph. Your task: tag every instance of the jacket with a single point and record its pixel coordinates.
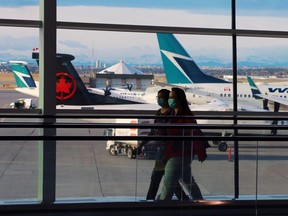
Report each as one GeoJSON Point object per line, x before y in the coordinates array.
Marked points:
{"type": "Point", "coordinates": [185, 148]}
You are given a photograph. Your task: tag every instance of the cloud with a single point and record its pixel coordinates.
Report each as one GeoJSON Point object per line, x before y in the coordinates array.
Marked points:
{"type": "Point", "coordinates": [141, 47]}
{"type": "Point", "coordinates": [8, 42]}
{"type": "Point", "coordinates": [18, 3]}
{"type": "Point", "coordinates": [72, 44]}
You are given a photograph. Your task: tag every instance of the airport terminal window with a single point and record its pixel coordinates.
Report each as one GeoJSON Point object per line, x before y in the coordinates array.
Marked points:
{"type": "Point", "coordinates": [90, 170]}
{"type": "Point", "coordinates": [262, 15]}
{"type": "Point", "coordinates": [102, 49]}
{"type": "Point", "coordinates": [21, 43]}
{"type": "Point", "coordinates": [268, 168]}
{"type": "Point", "coordinates": [179, 13]}
{"type": "Point", "coordinates": [19, 167]}
{"type": "Point", "coordinates": [90, 161]}
{"type": "Point", "coordinates": [258, 173]}
{"type": "Point", "coordinates": [20, 9]}
{"type": "Point", "coordinates": [266, 55]}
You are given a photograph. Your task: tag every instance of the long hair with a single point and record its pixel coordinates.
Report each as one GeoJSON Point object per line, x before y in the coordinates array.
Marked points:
{"type": "Point", "coordinates": [181, 101]}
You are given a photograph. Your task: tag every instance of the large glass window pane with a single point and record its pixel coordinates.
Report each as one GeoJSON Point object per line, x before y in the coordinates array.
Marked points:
{"type": "Point", "coordinates": [215, 176]}
{"type": "Point", "coordinates": [184, 13]}
{"type": "Point", "coordinates": [264, 15]}
{"type": "Point", "coordinates": [109, 48]}
{"type": "Point", "coordinates": [103, 52]}
{"type": "Point", "coordinates": [103, 171]}
{"type": "Point", "coordinates": [17, 68]}
{"type": "Point", "coordinates": [265, 60]}
{"type": "Point", "coordinates": [88, 169]}
{"type": "Point", "coordinates": [247, 170]}
{"type": "Point", "coordinates": [19, 166]}
{"type": "Point", "coordinates": [261, 170]}
{"type": "Point", "coordinates": [272, 164]}
{"type": "Point", "coordinates": [19, 9]}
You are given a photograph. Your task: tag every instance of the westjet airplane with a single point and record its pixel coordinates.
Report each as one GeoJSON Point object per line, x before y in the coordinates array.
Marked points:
{"type": "Point", "coordinates": [24, 80]}
{"type": "Point", "coordinates": [256, 92]}
{"type": "Point", "coordinates": [276, 100]}
{"type": "Point", "coordinates": [181, 70]}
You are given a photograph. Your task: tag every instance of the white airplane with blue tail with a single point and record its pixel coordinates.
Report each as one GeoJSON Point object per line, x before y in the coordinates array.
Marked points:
{"type": "Point", "coordinates": [181, 70]}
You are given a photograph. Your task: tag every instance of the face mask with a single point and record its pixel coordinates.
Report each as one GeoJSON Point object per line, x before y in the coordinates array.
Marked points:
{"type": "Point", "coordinates": [172, 103]}
{"type": "Point", "coordinates": [160, 102]}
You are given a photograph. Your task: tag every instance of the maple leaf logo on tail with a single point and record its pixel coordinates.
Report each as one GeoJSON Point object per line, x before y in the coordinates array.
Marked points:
{"type": "Point", "coordinates": [65, 86]}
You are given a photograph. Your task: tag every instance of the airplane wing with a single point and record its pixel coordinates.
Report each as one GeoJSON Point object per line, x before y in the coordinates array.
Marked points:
{"type": "Point", "coordinates": [273, 99]}
{"type": "Point", "coordinates": [169, 86]}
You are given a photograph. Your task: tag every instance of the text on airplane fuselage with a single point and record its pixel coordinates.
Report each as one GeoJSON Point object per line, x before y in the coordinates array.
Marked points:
{"type": "Point", "coordinates": [279, 90]}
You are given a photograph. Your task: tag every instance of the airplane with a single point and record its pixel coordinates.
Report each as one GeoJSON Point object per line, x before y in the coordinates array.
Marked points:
{"type": "Point", "coordinates": [257, 94]}
{"type": "Point", "coordinates": [24, 80]}
{"type": "Point", "coordinates": [70, 89]}
{"type": "Point", "coordinates": [181, 70]}
{"type": "Point", "coordinates": [145, 97]}
{"type": "Point", "coordinates": [26, 84]}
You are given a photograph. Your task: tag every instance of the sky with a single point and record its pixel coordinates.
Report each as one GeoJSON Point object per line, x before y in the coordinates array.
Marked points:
{"type": "Point", "coordinates": [142, 48]}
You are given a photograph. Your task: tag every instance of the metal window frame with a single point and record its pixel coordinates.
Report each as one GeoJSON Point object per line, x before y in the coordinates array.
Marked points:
{"type": "Point", "coordinates": [48, 26]}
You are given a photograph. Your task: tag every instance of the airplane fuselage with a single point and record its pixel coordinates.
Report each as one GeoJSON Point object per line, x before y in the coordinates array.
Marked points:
{"type": "Point", "coordinates": [200, 93]}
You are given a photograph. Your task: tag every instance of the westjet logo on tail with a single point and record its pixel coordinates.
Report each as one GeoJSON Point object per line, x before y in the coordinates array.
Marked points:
{"type": "Point", "coordinates": [179, 67]}
{"type": "Point", "coordinates": [172, 57]}
{"type": "Point", "coordinates": [25, 79]}
{"type": "Point", "coordinates": [279, 90]}
{"type": "Point", "coordinates": [22, 75]}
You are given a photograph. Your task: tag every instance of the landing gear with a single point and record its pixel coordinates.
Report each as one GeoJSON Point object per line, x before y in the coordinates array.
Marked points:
{"type": "Point", "coordinates": [222, 146]}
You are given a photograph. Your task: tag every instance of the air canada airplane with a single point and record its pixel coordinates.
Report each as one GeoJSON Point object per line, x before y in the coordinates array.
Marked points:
{"type": "Point", "coordinates": [181, 70]}
{"type": "Point", "coordinates": [70, 89]}
{"type": "Point", "coordinates": [109, 95]}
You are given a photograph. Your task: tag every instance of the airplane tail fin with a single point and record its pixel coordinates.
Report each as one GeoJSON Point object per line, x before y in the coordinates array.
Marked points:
{"type": "Point", "coordinates": [255, 91]}
{"type": "Point", "coordinates": [22, 74]}
{"type": "Point", "coordinates": [70, 89]}
{"type": "Point", "coordinates": [179, 67]}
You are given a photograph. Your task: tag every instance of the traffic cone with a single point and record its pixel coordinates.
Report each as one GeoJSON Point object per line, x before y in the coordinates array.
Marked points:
{"type": "Point", "coordinates": [229, 154]}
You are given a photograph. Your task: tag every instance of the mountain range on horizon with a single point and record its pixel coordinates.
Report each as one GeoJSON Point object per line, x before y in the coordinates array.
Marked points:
{"type": "Point", "coordinates": [152, 60]}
